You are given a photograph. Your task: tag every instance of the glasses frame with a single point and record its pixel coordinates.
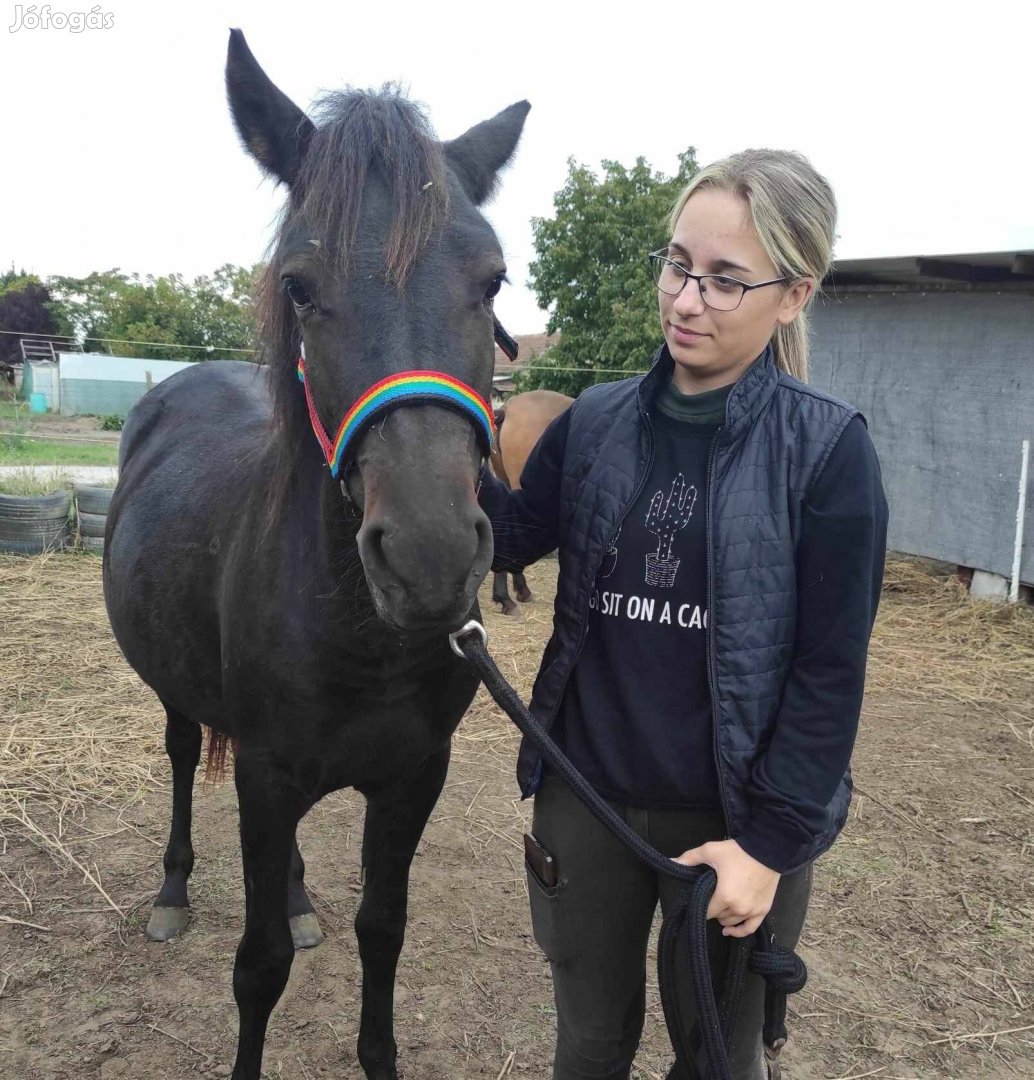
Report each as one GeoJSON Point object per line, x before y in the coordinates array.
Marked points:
{"type": "Point", "coordinates": [662, 256]}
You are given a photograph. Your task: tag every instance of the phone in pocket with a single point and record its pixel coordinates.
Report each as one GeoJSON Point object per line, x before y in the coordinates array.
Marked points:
{"type": "Point", "coordinates": [540, 862]}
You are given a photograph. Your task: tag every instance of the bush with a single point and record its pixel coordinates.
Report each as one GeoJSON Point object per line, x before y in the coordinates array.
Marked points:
{"type": "Point", "coordinates": [112, 423]}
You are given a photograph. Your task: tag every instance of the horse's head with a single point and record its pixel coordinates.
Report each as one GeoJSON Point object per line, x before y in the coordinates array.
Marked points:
{"type": "Point", "coordinates": [383, 265]}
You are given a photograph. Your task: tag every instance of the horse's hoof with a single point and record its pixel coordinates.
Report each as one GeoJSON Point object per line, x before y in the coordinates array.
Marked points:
{"type": "Point", "coordinates": [305, 930]}
{"type": "Point", "coordinates": [509, 608]}
{"type": "Point", "coordinates": [524, 595]}
{"type": "Point", "coordinates": [167, 922]}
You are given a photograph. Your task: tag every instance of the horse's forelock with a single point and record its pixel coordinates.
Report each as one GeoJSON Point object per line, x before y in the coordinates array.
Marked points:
{"type": "Point", "coordinates": [357, 131]}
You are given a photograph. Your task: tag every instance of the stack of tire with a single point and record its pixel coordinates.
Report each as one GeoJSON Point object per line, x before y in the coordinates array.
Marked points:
{"type": "Point", "coordinates": [32, 524]}
{"type": "Point", "coordinates": [91, 504]}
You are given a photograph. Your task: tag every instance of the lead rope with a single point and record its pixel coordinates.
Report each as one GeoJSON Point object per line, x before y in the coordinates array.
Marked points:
{"type": "Point", "coordinates": [684, 932]}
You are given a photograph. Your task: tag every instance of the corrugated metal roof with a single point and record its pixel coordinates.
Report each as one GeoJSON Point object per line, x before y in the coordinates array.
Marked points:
{"type": "Point", "coordinates": [100, 366]}
{"type": "Point", "coordinates": [982, 268]}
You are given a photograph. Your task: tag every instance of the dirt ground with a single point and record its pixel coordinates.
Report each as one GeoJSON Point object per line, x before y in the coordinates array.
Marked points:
{"type": "Point", "coordinates": [919, 940]}
{"type": "Point", "coordinates": [87, 428]}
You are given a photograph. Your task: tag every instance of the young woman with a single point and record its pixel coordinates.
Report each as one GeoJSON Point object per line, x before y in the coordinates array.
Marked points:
{"type": "Point", "coordinates": [721, 528]}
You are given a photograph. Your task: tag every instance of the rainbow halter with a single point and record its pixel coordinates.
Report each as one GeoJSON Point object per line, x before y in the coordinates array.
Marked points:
{"type": "Point", "coordinates": [405, 388]}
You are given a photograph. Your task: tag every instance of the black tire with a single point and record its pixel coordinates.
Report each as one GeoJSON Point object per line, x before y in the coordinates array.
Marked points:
{"type": "Point", "coordinates": [92, 543]}
{"type": "Point", "coordinates": [34, 519]}
{"type": "Point", "coordinates": [92, 524]}
{"type": "Point", "coordinates": [33, 547]}
{"type": "Point", "coordinates": [93, 500]}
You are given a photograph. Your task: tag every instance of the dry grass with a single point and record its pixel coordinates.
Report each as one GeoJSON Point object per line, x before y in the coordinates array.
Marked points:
{"type": "Point", "coordinates": [79, 729]}
{"type": "Point", "coordinates": [35, 481]}
{"type": "Point", "coordinates": [931, 641]}
{"type": "Point", "coordinates": [919, 939]}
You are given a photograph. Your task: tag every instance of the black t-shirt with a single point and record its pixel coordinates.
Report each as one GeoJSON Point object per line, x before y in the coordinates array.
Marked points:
{"type": "Point", "coordinates": [636, 717]}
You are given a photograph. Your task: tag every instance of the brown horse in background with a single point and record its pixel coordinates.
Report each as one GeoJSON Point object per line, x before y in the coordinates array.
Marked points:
{"type": "Point", "coordinates": [519, 425]}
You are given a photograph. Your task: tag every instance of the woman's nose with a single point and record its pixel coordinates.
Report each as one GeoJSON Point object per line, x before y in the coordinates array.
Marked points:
{"type": "Point", "coordinates": [691, 300]}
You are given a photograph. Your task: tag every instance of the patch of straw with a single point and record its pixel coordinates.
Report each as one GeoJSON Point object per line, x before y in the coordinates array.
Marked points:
{"type": "Point", "coordinates": [931, 641]}
{"type": "Point", "coordinates": [77, 727]}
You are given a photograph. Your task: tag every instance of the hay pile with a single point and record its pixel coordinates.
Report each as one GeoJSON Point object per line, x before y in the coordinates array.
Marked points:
{"type": "Point", "coordinates": [932, 642]}
{"type": "Point", "coordinates": [77, 727]}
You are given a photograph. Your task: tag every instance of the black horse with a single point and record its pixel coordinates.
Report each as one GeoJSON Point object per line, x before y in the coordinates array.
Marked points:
{"type": "Point", "coordinates": [303, 616]}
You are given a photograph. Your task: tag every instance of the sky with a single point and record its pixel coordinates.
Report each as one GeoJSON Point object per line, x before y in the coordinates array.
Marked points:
{"type": "Point", "coordinates": [119, 150]}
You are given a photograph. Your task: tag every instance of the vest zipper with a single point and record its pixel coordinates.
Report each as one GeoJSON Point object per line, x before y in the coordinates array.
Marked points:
{"type": "Point", "coordinates": [621, 520]}
{"type": "Point", "coordinates": [712, 678]}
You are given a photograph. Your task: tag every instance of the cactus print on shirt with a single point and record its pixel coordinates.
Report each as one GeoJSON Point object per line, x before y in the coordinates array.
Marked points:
{"type": "Point", "coordinates": [650, 604]}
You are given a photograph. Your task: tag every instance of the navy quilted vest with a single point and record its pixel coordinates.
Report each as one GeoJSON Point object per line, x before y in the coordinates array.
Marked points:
{"type": "Point", "coordinates": [777, 436]}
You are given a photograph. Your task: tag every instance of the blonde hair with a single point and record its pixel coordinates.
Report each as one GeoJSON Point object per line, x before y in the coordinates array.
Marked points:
{"type": "Point", "coordinates": [794, 212]}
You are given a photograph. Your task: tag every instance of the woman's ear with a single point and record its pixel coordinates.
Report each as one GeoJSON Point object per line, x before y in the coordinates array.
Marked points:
{"type": "Point", "coordinates": [794, 298]}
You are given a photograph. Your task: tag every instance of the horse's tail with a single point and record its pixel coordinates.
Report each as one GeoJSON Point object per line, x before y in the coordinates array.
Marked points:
{"type": "Point", "coordinates": [215, 760]}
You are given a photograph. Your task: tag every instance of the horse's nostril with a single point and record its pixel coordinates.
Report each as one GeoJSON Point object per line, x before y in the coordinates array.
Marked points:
{"type": "Point", "coordinates": [485, 548]}
{"type": "Point", "coordinates": [371, 544]}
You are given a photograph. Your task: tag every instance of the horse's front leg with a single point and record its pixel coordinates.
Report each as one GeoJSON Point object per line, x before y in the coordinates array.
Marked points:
{"type": "Point", "coordinates": [270, 810]}
{"type": "Point", "coordinates": [395, 818]}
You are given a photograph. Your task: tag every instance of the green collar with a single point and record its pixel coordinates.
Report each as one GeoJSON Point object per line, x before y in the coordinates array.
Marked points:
{"type": "Point", "coordinates": [707, 407]}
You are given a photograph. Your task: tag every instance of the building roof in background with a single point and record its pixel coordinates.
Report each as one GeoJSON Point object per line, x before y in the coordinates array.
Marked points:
{"type": "Point", "coordinates": [528, 346]}
{"type": "Point", "coordinates": [102, 367]}
{"type": "Point", "coordinates": [975, 269]}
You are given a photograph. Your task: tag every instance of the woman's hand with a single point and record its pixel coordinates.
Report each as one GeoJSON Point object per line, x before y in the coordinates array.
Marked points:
{"type": "Point", "coordinates": [745, 890]}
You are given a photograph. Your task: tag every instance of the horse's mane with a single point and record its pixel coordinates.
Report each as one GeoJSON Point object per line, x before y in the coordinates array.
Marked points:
{"type": "Point", "coordinates": [356, 131]}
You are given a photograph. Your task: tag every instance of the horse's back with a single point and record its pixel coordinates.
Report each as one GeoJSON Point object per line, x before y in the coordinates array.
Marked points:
{"type": "Point", "coordinates": [216, 399]}
{"type": "Point", "coordinates": [526, 417]}
{"type": "Point", "coordinates": [191, 454]}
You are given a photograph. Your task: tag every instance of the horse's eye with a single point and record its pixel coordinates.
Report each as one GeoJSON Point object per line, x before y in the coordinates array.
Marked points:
{"type": "Point", "coordinates": [493, 290]}
{"type": "Point", "coordinates": [296, 291]}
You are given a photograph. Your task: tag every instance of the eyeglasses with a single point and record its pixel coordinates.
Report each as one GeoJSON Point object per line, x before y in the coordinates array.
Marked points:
{"type": "Point", "coordinates": [718, 291]}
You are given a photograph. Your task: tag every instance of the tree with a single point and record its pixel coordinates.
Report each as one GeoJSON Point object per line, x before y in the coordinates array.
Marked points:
{"type": "Point", "coordinates": [591, 267]}
{"type": "Point", "coordinates": [210, 318]}
{"type": "Point", "coordinates": [26, 310]}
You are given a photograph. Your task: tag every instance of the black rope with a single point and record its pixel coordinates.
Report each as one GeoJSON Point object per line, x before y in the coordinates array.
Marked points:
{"type": "Point", "coordinates": [683, 940]}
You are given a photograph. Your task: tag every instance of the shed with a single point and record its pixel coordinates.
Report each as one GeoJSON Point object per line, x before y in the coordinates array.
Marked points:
{"type": "Point", "coordinates": [104, 385]}
{"type": "Point", "coordinates": [41, 377]}
{"type": "Point", "coordinates": [938, 353]}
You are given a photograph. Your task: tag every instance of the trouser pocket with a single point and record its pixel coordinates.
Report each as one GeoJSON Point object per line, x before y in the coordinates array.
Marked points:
{"type": "Point", "coordinates": [546, 902]}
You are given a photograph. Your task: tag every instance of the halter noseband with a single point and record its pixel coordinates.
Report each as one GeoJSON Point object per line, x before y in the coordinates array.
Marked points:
{"type": "Point", "coordinates": [406, 387]}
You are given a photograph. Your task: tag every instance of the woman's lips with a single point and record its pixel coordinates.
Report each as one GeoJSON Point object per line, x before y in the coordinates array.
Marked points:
{"type": "Point", "coordinates": [684, 336]}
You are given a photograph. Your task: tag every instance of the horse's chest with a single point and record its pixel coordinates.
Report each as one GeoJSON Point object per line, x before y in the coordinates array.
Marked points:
{"type": "Point", "coordinates": [346, 732]}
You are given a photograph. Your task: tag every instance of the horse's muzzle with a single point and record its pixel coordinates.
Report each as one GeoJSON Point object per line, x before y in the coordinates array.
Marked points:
{"type": "Point", "coordinates": [425, 574]}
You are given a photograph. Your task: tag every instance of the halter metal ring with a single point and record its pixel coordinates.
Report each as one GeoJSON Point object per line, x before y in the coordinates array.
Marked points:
{"type": "Point", "coordinates": [472, 627]}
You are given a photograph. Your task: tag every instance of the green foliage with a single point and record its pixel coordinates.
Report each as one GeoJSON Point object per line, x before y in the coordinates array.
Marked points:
{"type": "Point", "coordinates": [114, 422]}
{"type": "Point", "coordinates": [591, 271]}
{"type": "Point", "coordinates": [27, 309]}
{"type": "Point", "coordinates": [214, 313]}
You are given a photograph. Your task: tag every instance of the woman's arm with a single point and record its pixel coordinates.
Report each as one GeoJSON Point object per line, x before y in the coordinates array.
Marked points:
{"type": "Point", "coordinates": [840, 560]}
{"type": "Point", "coordinates": [525, 523]}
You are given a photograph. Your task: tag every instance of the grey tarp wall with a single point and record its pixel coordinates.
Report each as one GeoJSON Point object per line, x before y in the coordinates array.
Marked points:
{"type": "Point", "coordinates": [946, 382]}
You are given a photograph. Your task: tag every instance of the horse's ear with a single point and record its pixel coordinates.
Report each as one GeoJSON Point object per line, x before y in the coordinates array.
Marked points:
{"type": "Point", "coordinates": [477, 156]}
{"type": "Point", "coordinates": [273, 129]}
